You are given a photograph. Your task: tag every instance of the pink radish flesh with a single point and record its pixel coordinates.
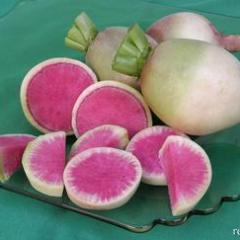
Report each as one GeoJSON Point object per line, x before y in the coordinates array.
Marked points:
{"type": "Point", "coordinates": [43, 162]}
{"type": "Point", "coordinates": [50, 90]}
{"type": "Point", "coordinates": [145, 145]}
{"type": "Point", "coordinates": [110, 103]}
{"type": "Point", "coordinates": [102, 178]}
{"type": "Point", "coordinates": [188, 172]}
{"type": "Point", "coordinates": [47, 161]}
{"type": "Point", "coordinates": [117, 176]}
{"type": "Point", "coordinates": [11, 150]}
{"type": "Point", "coordinates": [102, 136]}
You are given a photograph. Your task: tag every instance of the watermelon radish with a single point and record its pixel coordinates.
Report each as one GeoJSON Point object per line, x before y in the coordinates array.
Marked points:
{"type": "Point", "coordinates": [100, 48]}
{"type": "Point", "coordinates": [191, 26]}
{"type": "Point", "coordinates": [191, 85]}
{"type": "Point", "coordinates": [102, 178]}
{"type": "Point", "coordinates": [145, 146]}
{"type": "Point", "coordinates": [43, 162]}
{"type": "Point", "coordinates": [188, 172]}
{"type": "Point", "coordinates": [110, 102]}
{"type": "Point", "coordinates": [49, 91]}
{"type": "Point", "coordinates": [11, 150]}
{"type": "Point", "coordinates": [102, 136]}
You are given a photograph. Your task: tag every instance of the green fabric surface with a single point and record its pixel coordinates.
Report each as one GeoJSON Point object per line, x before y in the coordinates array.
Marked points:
{"type": "Point", "coordinates": [32, 31]}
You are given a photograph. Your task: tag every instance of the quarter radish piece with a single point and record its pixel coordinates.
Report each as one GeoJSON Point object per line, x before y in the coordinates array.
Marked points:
{"type": "Point", "coordinates": [191, 85]}
{"type": "Point", "coordinates": [102, 178]}
{"type": "Point", "coordinates": [191, 26]}
{"type": "Point", "coordinates": [43, 162]}
{"type": "Point", "coordinates": [11, 150]}
{"type": "Point", "coordinates": [188, 172]}
{"type": "Point", "coordinates": [49, 91]}
{"type": "Point", "coordinates": [145, 145]}
{"type": "Point", "coordinates": [102, 136]}
{"type": "Point", "coordinates": [110, 102]}
{"type": "Point", "coordinates": [99, 47]}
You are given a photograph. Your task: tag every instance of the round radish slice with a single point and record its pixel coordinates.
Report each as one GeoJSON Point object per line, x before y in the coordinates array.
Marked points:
{"type": "Point", "coordinates": [145, 145]}
{"type": "Point", "coordinates": [49, 91]}
{"type": "Point", "coordinates": [102, 136]}
{"type": "Point", "coordinates": [110, 102]}
{"type": "Point", "coordinates": [43, 162]}
{"type": "Point", "coordinates": [102, 178]}
{"type": "Point", "coordinates": [188, 172]}
{"type": "Point", "coordinates": [11, 150]}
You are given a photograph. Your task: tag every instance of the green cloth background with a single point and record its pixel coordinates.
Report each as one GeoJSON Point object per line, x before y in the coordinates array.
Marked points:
{"type": "Point", "coordinates": [31, 31]}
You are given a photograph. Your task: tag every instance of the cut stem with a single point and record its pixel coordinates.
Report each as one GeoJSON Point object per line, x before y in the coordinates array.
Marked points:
{"type": "Point", "coordinates": [230, 42]}
{"type": "Point", "coordinates": [82, 33]}
{"type": "Point", "coordinates": [132, 53]}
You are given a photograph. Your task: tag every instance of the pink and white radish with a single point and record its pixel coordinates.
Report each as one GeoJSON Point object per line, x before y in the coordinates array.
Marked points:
{"type": "Point", "coordinates": [110, 102]}
{"type": "Point", "coordinates": [102, 178]}
{"type": "Point", "coordinates": [188, 172]}
{"type": "Point", "coordinates": [43, 162]}
{"type": "Point", "coordinates": [49, 91]}
{"type": "Point", "coordinates": [190, 25]}
{"type": "Point", "coordinates": [191, 85]}
{"type": "Point", "coordinates": [12, 147]}
{"type": "Point", "coordinates": [145, 145]}
{"type": "Point", "coordinates": [103, 136]}
{"type": "Point", "coordinates": [100, 47]}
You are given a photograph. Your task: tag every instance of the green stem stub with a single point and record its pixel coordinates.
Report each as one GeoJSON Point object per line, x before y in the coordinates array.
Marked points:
{"type": "Point", "coordinates": [132, 53]}
{"type": "Point", "coordinates": [82, 33]}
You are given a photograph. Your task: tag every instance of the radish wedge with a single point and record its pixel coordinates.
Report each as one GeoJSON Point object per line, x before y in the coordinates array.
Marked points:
{"type": "Point", "coordinates": [43, 162]}
{"type": "Point", "coordinates": [188, 172]}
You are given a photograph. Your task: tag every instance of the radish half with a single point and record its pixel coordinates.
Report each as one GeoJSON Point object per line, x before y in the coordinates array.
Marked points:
{"type": "Point", "coordinates": [145, 145]}
{"type": "Point", "coordinates": [100, 48]}
{"type": "Point", "coordinates": [110, 102]}
{"type": "Point", "coordinates": [191, 85]}
{"type": "Point", "coordinates": [188, 172]}
{"type": "Point", "coordinates": [190, 25]}
{"type": "Point", "coordinates": [49, 91]}
{"type": "Point", "coordinates": [43, 162]}
{"type": "Point", "coordinates": [103, 136]}
{"type": "Point", "coordinates": [102, 178]}
{"type": "Point", "coordinates": [11, 150]}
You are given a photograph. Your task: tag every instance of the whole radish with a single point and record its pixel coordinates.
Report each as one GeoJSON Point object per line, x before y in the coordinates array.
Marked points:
{"type": "Point", "coordinates": [191, 26]}
{"type": "Point", "coordinates": [191, 85]}
{"type": "Point", "coordinates": [100, 47]}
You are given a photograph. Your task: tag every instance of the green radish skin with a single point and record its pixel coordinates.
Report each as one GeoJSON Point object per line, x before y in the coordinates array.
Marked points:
{"type": "Point", "coordinates": [104, 47]}
{"type": "Point", "coordinates": [193, 86]}
{"type": "Point", "coordinates": [101, 48]}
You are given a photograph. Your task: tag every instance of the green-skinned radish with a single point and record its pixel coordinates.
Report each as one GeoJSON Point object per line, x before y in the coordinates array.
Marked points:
{"type": "Point", "coordinates": [99, 47]}
{"type": "Point", "coordinates": [191, 85]}
{"type": "Point", "coordinates": [191, 26]}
